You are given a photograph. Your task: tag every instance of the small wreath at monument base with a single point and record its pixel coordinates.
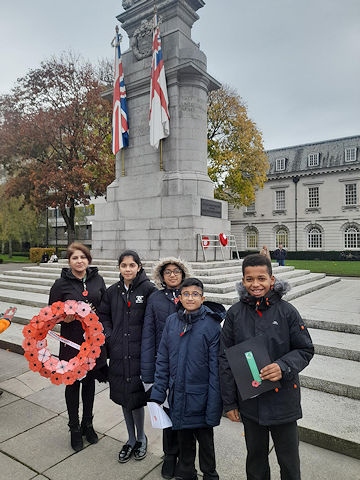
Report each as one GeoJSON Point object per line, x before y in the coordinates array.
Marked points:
{"type": "Point", "coordinates": [36, 349]}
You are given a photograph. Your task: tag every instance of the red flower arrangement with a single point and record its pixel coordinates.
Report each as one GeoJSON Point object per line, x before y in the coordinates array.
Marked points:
{"type": "Point", "coordinates": [35, 344]}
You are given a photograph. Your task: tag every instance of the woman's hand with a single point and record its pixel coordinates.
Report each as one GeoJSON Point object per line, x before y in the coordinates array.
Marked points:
{"type": "Point", "coordinates": [69, 318]}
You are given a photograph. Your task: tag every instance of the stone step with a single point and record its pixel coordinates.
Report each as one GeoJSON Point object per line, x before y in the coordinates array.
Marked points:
{"type": "Point", "coordinates": [330, 421]}
{"type": "Point", "coordinates": [306, 288]}
{"type": "Point", "coordinates": [333, 375]}
{"type": "Point", "coordinates": [336, 344]}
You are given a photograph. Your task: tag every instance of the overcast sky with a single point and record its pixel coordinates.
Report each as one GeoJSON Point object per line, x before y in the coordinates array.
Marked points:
{"type": "Point", "coordinates": [295, 63]}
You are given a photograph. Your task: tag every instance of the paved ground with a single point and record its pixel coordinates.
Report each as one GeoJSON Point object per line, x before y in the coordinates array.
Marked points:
{"type": "Point", "coordinates": [34, 438]}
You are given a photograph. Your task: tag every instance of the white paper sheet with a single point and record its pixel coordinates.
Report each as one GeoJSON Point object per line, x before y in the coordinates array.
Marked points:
{"type": "Point", "coordinates": [159, 419]}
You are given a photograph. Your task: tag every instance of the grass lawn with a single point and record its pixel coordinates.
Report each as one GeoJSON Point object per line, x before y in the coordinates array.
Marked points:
{"type": "Point", "coordinates": [14, 259]}
{"type": "Point", "coordinates": [336, 268]}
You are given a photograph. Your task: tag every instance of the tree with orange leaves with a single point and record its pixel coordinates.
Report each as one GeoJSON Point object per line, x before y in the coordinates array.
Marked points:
{"type": "Point", "coordinates": [55, 137]}
{"type": "Point", "coordinates": [237, 162]}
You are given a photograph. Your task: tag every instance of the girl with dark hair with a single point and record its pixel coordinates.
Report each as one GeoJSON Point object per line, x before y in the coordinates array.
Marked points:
{"type": "Point", "coordinates": [79, 282]}
{"type": "Point", "coordinates": [122, 314]}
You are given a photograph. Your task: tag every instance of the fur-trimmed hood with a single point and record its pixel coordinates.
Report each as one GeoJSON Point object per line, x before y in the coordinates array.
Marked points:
{"type": "Point", "coordinates": [281, 287]}
{"type": "Point", "coordinates": [159, 267]}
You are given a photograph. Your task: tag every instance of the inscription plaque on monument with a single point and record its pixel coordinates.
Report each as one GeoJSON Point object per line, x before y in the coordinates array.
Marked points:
{"type": "Point", "coordinates": [210, 208]}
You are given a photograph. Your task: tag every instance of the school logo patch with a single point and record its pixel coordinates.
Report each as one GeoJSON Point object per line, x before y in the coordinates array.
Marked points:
{"type": "Point", "coordinates": [139, 299]}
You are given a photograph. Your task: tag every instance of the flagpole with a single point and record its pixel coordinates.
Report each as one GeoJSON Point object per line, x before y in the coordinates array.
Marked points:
{"type": "Point", "coordinates": [123, 174]}
{"type": "Point", "coordinates": [161, 156]}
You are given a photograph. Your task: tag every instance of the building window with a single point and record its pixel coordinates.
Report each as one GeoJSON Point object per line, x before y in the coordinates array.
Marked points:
{"type": "Point", "coordinates": [314, 238]}
{"type": "Point", "coordinates": [282, 236]}
{"type": "Point", "coordinates": [313, 160]}
{"type": "Point", "coordinates": [352, 238]}
{"type": "Point", "coordinates": [350, 194]}
{"type": "Point", "coordinates": [280, 164]}
{"type": "Point", "coordinates": [350, 154]}
{"type": "Point", "coordinates": [280, 200]}
{"type": "Point", "coordinates": [252, 238]}
{"type": "Point", "coordinates": [250, 208]}
{"type": "Point", "coordinates": [313, 197]}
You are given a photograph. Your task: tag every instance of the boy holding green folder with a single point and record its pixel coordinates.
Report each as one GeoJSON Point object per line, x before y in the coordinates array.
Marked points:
{"type": "Point", "coordinates": [261, 314]}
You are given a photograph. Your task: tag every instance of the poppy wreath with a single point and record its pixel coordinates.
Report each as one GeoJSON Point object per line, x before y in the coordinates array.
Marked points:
{"type": "Point", "coordinates": [35, 344]}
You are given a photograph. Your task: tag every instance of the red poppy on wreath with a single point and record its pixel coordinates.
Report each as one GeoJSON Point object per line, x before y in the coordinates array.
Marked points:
{"type": "Point", "coordinates": [49, 366]}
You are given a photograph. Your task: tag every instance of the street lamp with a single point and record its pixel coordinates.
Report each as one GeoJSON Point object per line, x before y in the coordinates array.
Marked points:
{"type": "Point", "coordinates": [296, 181]}
{"type": "Point", "coordinates": [56, 230]}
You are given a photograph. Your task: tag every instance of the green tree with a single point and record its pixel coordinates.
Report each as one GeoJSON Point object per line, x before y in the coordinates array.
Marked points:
{"type": "Point", "coordinates": [237, 162]}
{"type": "Point", "coordinates": [55, 137]}
{"type": "Point", "coordinates": [18, 221]}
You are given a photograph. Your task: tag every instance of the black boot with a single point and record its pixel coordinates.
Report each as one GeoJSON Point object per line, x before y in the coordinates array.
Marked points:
{"type": "Point", "coordinates": [88, 431]}
{"type": "Point", "coordinates": [76, 437]}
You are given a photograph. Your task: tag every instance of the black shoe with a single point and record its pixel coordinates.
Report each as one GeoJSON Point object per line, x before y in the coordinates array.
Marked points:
{"type": "Point", "coordinates": [125, 453]}
{"type": "Point", "coordinates": [168, 467]}
{"type": "Point", "coordinates": [89, 432]}
{"type": "Point", "coordinates": [140, 449]}
{"type": "Point", "coordinates": [76, 438]}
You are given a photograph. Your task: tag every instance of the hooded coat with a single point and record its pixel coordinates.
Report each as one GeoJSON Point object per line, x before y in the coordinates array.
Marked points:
{"type": "Point", "coordinates": [288, 343]}
{"type": "Point", "coordinates": [187, 366]}
{"type": "Point", "coordinates": [68, 287]}
{"type": "Point", "coordinates": [160, 305]}
{"type": "Point", "coordinates": [122, 315]}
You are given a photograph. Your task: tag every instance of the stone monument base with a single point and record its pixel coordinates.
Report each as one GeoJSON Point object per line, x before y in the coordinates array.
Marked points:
{"type": "Point", "coordinates": [157, 216]}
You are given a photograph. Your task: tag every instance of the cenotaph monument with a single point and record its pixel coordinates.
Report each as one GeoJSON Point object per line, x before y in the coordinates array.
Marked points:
{"type": "Point", "coordinates": [161, 200]}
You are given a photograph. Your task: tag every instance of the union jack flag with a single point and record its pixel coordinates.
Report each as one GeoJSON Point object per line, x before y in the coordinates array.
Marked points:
{"type": "Point", "coordinates": [120, 124]}
{"type": "Point", "coordinates": [159, 104]}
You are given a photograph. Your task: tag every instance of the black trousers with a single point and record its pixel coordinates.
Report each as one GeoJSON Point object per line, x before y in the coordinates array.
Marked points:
{"type": "Point", "coordinates": [187, 453]}
{"type": "Point", "coordinates": [170, 440]}
{"type": "Point", "coordinates": [72, 398]}
{"type": "Point", "coordinates": [286, 443]}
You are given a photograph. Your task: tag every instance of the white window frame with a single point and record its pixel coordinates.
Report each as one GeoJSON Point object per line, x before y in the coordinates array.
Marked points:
{"type": "Point", "coordinates": [280, 200]}
{"type": "Point", "coordinates": [314, 237]}
{"type": "Point", "coordinates": [350, 154]}
{"type": "Point", "coordinates": [313, 197]}
{"type": "Point", "coordinates": [280, 164]}
{"type": "Point", "coordinates": [282, 236]}
{"type": "Point", "coordinates": [313, 159]}
{"type": "Point", "coordinates": [252, 238]}
{"type": "Point", "coordinates": [351, 238]}
{"type": "Point", "coordinates": [351, 194]}
{"type": "Point", "coordinates": [250, 208]}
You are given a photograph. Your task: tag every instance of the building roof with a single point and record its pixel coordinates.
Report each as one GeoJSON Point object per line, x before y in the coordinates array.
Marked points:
{"type": "Point", "coordinates": [327, 156]}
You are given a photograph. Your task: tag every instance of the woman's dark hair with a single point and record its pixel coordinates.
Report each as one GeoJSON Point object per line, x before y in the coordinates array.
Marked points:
{"type": "Point", "coordinates": [78, 246]}
{"type": "Point", "coordinates": [256, 260]}
{"type": "Point", "coordinates": [130, 253]}
{"type": "Point", "coordinates": [192, 282]}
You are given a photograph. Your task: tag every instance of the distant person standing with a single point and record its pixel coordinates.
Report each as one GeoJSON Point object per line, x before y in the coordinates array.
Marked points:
{"type": "Point", "coordinates": [280, 255]}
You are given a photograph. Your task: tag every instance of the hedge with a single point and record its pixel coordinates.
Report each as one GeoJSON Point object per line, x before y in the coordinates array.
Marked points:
{"type": "Point", "coordinates": [311, 255]}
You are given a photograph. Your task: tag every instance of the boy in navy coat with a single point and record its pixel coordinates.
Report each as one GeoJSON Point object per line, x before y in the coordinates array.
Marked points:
{"type": "Point", "coordinates": [187, 366]}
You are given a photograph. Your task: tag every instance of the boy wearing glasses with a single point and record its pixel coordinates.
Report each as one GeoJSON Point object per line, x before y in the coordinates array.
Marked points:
{"type": "Point", "coordinates": [168, 274]}
{"type": "Point", "coordinates": [187, 366]}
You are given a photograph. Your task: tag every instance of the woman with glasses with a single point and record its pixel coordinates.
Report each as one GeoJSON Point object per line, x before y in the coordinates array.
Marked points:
{"type": "Point", "coordinates": [122, 314]}
{"type": "Point", "coordinates": [168, 274]}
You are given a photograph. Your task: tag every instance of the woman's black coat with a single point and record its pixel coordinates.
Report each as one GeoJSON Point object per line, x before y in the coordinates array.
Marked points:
{"type": "Point", "coordinates": [68, 287]}
{"type": "Point", "coordinates": [122, 314]}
